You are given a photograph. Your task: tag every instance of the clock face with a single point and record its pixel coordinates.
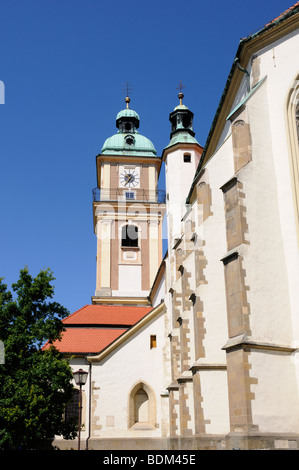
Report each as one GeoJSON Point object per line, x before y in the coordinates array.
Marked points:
{"type": "Point", "coordinates": [129, 178]}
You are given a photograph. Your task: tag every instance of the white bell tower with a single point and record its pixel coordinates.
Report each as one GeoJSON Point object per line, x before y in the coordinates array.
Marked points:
{"type": "Point", "coordinates": [128, 210]}
{"type": "Point", "coordinates": [181, 158]}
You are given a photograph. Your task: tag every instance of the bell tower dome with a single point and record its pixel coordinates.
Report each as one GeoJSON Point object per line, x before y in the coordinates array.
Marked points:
{"type": "Point", "coordinates": [181, 119]}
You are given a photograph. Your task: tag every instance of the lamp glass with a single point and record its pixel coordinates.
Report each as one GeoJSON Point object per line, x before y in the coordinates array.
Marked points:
{"type": "Point", "coordinates": [80, 377]}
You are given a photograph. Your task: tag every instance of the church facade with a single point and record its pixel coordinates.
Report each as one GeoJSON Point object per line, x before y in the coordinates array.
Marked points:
{"type": "Point", "coordinates": [199, 349]}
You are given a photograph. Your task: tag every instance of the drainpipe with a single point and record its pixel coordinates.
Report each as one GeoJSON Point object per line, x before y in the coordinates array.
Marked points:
{"type": "Point", "coordinates": [237, 62]}
{"type": "Point", "coordinates": [89, 405]}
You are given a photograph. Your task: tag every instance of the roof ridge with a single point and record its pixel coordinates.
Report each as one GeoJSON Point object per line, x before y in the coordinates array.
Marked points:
{"type": "Point", "coordinates": [283, 13]}
{"type": "Point", "coordinates": [99, 314]}
{"type": "Point", "coordinates": [280, 17]}
{"type": "Point", "coordinates": [74, 313]}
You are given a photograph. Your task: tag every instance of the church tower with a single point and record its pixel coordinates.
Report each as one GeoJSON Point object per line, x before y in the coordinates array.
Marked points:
{"type": "Point", "coordinates": [128, 210]}
{"type": "Point", "coordinates": [181, 157]}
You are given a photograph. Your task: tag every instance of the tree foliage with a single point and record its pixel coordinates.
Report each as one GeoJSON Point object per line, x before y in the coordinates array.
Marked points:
{"type": "Point", "coordinates": [35, 384]}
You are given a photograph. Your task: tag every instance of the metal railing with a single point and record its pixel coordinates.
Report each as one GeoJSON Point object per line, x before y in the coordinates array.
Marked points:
{"type": "Point", "coordinates": [128, 195]}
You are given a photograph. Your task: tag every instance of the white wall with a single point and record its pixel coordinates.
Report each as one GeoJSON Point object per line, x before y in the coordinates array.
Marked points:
{"type": "Point", "coordinates": [179, 176]}
{"type": "Point", "coordinates": [117, 374]}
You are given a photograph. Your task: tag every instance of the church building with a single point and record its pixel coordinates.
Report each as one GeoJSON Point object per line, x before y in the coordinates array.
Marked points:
{"type": "Point", "coordinates": [199, 349]}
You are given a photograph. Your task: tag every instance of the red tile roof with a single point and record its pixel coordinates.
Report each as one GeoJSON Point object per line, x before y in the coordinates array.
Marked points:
{"type": "Point", "coordinates": [107, 315]}
{"type": "Point", "coordinates": [87, 331]}
{"type": "Point", "coordinates": [86, 340]}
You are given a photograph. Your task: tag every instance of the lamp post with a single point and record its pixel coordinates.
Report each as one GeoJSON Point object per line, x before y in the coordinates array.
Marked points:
{"type": "Point", "coordinates": [80, 378]}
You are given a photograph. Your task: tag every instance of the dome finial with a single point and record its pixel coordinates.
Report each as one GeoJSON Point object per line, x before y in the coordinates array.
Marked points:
{"type": "Point", "coordinates": [128, 91]}
{"type": "Point", "coordinates": [180, 95]}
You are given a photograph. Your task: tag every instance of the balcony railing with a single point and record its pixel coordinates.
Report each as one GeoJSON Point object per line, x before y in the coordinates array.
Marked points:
{"type": "Point", "coordinates": [128, 195]}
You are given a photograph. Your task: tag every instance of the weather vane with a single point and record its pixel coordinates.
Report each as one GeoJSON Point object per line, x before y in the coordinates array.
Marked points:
{"type": "Point", "coordinates": [127, 90]}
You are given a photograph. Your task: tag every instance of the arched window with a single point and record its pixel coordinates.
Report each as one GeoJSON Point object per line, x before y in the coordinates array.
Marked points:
{"type": "Point", "coordinates": [71, 414]}
{"type": "Point", "coordinates": [129, 236]}
{"type": "Point", "coordinates": [297, 120]}
{"type": "Point", "coordinates": [292, 109]}
{"type": "Point", "coordinates": [142, 407]}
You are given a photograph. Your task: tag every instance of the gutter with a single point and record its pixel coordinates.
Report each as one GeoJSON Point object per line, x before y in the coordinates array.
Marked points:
{"type": "Point", "coordinates": [246, 73]}
{"type": "Point", "coordinates": [89, 405]}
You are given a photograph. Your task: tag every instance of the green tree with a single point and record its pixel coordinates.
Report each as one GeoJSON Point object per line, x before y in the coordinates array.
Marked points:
{"type": "Point", "coordinates": [35, 384]}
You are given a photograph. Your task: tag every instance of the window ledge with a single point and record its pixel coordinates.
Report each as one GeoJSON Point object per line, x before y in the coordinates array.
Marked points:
{"type": "Point", "coordinates": [130, 248]}
{"type": "Point", "coordinates": [143, 427]}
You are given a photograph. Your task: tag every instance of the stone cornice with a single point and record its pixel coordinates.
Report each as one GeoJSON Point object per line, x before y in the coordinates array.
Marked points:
{"type": "Point", "coordinates": [243, 342]}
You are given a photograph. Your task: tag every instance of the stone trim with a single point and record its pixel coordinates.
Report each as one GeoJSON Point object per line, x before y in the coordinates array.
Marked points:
{"type": "Point", "coordinates": [173, 413]}
{"type": "Point", "coordinates": [238, 309]}
{"type": "Point", "coordinates": [242, 342]}
{"type": "Point", "coordinates": [185, 377]}
{"type": "Point", "coordinates": [95, 419]}
{"type": "Point", "coordinates": [242, 144]}
{"type": "Point", "coordinates": [235, 213]}
{"type": "Point", "coordinates": [197, 366]}
{"type": "Point", "coordinates": [240, 395]}
{"type": "Point", "coordinates": [185, 417]}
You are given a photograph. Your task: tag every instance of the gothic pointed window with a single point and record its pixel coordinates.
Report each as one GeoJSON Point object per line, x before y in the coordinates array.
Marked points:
{"type": "Point", "coordinates": [71, 414]}
{"type": "Point", "coordinates": [142, 407]}
{"type": "Point", "coordinates": [297, 121]}
{"type": "Point", "coordinates": [293, 138]}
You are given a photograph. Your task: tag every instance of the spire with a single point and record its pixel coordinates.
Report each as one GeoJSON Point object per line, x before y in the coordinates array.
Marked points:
{"type": "Point", "coordinates": [180, 95]}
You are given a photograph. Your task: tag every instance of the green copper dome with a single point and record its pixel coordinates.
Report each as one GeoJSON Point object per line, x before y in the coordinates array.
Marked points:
{"type": "Point", "coordinates": [127, 113]}
{"type": "Point", "coordinates": [127, 140]}
{"type": "Point", "coordinates": [129, 144]}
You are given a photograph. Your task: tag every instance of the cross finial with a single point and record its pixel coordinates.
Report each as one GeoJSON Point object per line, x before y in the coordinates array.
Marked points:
{"type": "Point", "coordinates": [180, 95]}
{"type": "Point", "coordinates": [127, 90]}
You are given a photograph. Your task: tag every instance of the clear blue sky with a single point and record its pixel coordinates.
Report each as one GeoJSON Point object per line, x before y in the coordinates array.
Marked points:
{"type": "Point", "coordinates": [64, 64]}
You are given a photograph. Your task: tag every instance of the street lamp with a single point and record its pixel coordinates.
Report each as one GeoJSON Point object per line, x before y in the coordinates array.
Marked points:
{"type": "Point", "coordinates": [80, 378]}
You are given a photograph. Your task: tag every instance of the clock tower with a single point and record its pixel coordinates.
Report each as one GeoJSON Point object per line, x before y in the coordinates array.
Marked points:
{"type": "Point", "coordinates": [128, 210]}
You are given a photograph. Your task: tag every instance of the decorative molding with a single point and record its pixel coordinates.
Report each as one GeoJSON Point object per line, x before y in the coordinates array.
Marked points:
{"type": "Point", "coordinates": [120, 300]}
